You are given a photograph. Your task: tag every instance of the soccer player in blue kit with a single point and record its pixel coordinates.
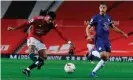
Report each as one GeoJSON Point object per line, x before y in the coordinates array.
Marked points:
{"type": "Point", "coordinates": [102, 23]}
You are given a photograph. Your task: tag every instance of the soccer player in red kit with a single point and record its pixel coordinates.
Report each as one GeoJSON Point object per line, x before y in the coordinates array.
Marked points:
{"type": "Point", "coordinates": [90, 46]}
{"type": "Point", "coordinates": [92, 52]}
{"type": "Point", "coordinates": [39, 26]}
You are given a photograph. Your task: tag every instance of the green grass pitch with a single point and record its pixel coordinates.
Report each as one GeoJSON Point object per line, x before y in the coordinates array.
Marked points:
{"type": "Point", "coordinates": [11, 69]}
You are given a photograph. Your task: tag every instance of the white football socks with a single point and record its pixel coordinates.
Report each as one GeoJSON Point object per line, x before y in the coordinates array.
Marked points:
{"type": "Point", "coordinates": [28, 69]}
{"type": "Point", "coordinates": [99, 65]}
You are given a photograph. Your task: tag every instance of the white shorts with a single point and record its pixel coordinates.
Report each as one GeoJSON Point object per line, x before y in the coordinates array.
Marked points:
{"type": "Point", "coordinates": [37, 43]}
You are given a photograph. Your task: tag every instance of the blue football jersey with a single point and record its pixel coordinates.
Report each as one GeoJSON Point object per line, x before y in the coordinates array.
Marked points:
{"type": "Point", "coordinates": [102, 24]}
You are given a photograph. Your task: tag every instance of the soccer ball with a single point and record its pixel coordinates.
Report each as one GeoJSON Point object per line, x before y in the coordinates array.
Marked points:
{"type": "Point", "coordinates": [69, 68]}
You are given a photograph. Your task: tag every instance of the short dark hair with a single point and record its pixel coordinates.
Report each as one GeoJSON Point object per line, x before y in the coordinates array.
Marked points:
{"type": "Point", "coordinates": [43, 12]}
{"type": "Point", "coordinates": [52, 14]}
{"type": "Point", "coordinates": [103, 3]}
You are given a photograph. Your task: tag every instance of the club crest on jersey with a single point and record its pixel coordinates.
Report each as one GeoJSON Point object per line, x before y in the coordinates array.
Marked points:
{"type": "Point", "coordinates": [106, 26]}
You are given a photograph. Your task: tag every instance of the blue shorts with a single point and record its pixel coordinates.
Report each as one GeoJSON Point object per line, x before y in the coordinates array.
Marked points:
{"type": "Point", "coordinates": [103, 47]}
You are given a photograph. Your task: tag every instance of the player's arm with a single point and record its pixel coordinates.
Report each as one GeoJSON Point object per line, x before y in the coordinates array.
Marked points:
{"type": "Point", "coordinates": [89, 28]}
{"type": "Point", "coordinates": [10, 28]}
{"type": "Point", "coordinates": [118, 30]}
{"type": "Point", "coordinates": [58, 30]}
{"type": "Point", "coordinates": [88, 31]}
{"type": "Point", "coordinates": [25, 25]}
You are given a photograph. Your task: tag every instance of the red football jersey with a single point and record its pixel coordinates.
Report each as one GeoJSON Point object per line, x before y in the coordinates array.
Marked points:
{"type": "Point", "coordinates": [39, 27]}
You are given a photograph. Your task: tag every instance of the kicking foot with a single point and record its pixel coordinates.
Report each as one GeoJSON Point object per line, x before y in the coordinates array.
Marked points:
{"type": "Point", "coordinates": [93, 74]}
{"type": "Point", "coordinates": [26, 72]}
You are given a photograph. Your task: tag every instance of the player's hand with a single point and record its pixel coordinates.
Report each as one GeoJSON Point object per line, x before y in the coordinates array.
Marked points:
{"type": "Point", "coordinates": [125, 35]}
{"type": "Point", "coordinates": [89, 38]}
{"type": "Point", "coordinates": [72, 45]}
{"type": "Point", "coordinates": [10, 28]}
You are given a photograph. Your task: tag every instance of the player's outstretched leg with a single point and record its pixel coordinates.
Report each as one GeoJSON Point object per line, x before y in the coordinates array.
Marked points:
{"type": "Point", "coordinates": [28, 69]}
{"type": "Point", "coordinates": [35, 64]}
{"type": "Point", "coordinates": [42, 57]}
{"type": "Point", "coordinates": [33, 57]}
{"type": "Point", "coordinates": [100, 64]}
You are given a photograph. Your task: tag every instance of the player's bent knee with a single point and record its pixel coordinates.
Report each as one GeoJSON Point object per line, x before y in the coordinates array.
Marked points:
{"type": "Point", "coordinates": [104, 56]}
{"type": "Point", "coordinates": [105, 59]}
{"type": "Point", "coordinates": [43, 54]}
{"type": "Point", "coordinates": [32, 56]}
{"type": "Point", "coordinates": [43, 57]}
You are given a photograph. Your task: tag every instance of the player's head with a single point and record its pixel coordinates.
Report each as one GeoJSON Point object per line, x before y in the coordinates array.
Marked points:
{"type": "Point", "coordinates": [43, 12]}
{"type": "Point", "coordinates": [51, 16]}
{"type": "Point", "coordinates": [103, 8]}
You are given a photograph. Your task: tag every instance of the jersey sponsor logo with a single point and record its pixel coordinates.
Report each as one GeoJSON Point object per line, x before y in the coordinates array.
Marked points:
{"type": "Point", "coordinates": [4, 47]}
{"type": "Point", "coordinates": [106, 26]}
